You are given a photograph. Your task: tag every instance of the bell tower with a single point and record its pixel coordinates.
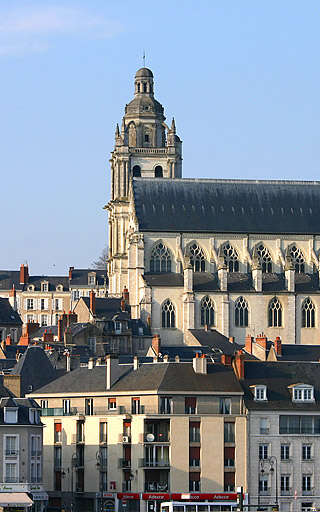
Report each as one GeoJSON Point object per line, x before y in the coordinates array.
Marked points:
{"type": "Point", "coordinates": [145, 147]}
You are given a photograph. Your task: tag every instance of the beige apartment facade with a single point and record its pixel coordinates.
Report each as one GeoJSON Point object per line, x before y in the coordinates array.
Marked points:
{"type": "Point", "coordinates": [139, 442]}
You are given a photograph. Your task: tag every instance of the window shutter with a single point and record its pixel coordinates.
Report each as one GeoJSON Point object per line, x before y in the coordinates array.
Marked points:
{"type": "Point", "coordinates": [58, 427]}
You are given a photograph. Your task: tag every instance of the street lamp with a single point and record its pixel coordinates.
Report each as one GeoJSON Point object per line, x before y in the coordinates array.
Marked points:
{"type": "Point", "coordinates": [270, 463]}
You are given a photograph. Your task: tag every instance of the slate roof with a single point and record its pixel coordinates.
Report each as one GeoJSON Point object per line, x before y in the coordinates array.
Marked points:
{"type": "Point", "coordinates": [8, 316]}
{"type": "Point", "coordinates": [185, 352]}
{"type": "Point", "coordinates": [34, 369]}
{"type": "Point", "coordinates": [80, 277]}
{"type": "Point", "coordinates": [108, 307]}
{"type": "Point", "coordinates": [227, 206]}
{"type": "Point", "coordinates": [23, 404]}
{"type": "Point", "coordinates": [300, 352]}
{"type": "Point", "coordinates": [277, 376]}
{"type": "Point", "coordinates": [215, 340]}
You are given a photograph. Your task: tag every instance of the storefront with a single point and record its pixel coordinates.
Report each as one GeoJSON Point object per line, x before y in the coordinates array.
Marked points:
{"type": "Point", "coordinates": [34, 492]}
{"type": "Point", "coordinates": [15, 501]}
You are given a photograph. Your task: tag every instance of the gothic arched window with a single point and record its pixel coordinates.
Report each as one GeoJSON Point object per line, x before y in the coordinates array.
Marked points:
{"type": "Point", "coordinates": [207, 311]}
{"type": "Point", "coordinates": [136, 171]}
{"type": "Point", "coordinates": [264, 258]}
{"type": "Point", "coordinates": [297, 259]}
{"type": "Point", "coordinates": [231, 258]}
{"type": "Point", "coordinates": [160, 260]}
{"type": "Point", "coordinates": [168, 314]}
{"type": "Point", "coordinates": [158, 172]}
{"type": "Point", "coordinates": [241, 312]}
{"type": "Point", "coordinates": [197, 259]}
{"type": "Point", "coordinates": [308, 313]}
{"type": "Point", "coordinates": [275, 313]}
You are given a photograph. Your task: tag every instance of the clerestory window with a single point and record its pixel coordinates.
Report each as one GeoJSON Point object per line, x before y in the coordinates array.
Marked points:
{"type": "Point", "coordinates": [197, 258]}
{"type": "Point", "coordinates": [264, 258]}
{"type": "Point", "coordinates": [206, 311]}
{"type": "Point", "coordinates": [275, 313]}
{"type": "Point", "coordinates": [231, 258]}
{"type": "Point", "coordinates": [168, 314]}
{"type": "Point", "coordinates": [241, 313]}
{"type": "Point", "coordinates": [308, 313]}
{"type": "Point", "coordinates": [160, 260]}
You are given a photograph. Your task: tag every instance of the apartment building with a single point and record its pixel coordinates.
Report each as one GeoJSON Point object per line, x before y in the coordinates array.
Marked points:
{"type": "Point", "coordinates": [10, 321]}
{"type": "Point", "coordinates": [282, 400]}
{"type": "Point", "coordinates": [21, 454]}
{"type": "Point", "coordinates": [133, 435]}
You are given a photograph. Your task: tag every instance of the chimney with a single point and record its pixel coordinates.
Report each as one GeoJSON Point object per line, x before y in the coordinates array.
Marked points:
{"type": "Point", "coordinates": [71, 318]}
{"type": "Point", "coordinates": [135, 362]}
{"type": "Point", "coordinates": [108, 372]}
{"type": "Point", "coordinates": [149, 321]}
{"type": "Point", "coordinates": [48, 336]}
{"type": "Point", "coordinates": [91, 363]}
{"type": "Point", "coordinates": [248, 344]}
{"type": "Point", "coordinates": [226, 360]}
{"type": "Point", "coordinates": [60, 328]}
{"type": "Point", "coordinates": [222, 275]}
{"type": "Point", "coordinates": [278, 346]}
{"type": "Point", "coordinates": [166, 358]}
{"type": "Point", "coordinates": [8, 340]}
{"type": "Point", "coordinates": [231, 339]}
{"type": "Point", "coordinates": [93, 302]}
{"type": "Point", "coordinates": [289, 275]}
{"type": "Point", "coordinates": [71, 269]}
{"type": "Point", "coordinates": [13, 298]}
{"type": "Point", "coordinates": [68, 362]}
{"type": "Point", "coordinates": [239, 364]}
{"type": "Point", "coordinates": [67, 336]}
{"type": "Point", "coordinates": [156, 343]}
{"type": "Point", "coordinates": [24, 274]}
{"type": "Point", "coordinates": [261, 340]}
{"type": "Point", "coordinates": [206, 328]}
{"type": "Point", "coordinates": [123, 304]}
{"type": "Point", "coordinates": [257, 276]}
{"type": "Point", "coordinates": [200, 364]}
{"type": "Point", "coordinates": [125, 294]}
{"type": "Point", "coordinates": [177, 359]}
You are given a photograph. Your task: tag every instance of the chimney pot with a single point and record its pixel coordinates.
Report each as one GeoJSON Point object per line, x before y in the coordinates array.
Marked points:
{"type": "Point", "coordinates": [93, 302]}
{"type": "Point", "coordinates": [135, 363]}
{"type": "Point", "coordinates": [71, 269]}
{"type": "Point", "coordinates": [156, 343]}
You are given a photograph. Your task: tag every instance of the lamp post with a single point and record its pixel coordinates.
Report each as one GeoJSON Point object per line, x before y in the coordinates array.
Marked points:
{"type": "Point", "coordinates": [272, 464]}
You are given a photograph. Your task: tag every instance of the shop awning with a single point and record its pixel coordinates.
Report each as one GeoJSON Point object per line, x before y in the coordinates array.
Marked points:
{"type": "Point", "coordinates": [15, 499]}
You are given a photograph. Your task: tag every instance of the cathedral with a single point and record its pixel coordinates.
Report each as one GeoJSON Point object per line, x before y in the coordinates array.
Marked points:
{"type": "Point", "coordinates": [237, 256]}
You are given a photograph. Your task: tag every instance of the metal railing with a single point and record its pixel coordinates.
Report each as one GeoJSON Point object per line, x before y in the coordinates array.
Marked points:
{"type": "Point", "coordinates": [36, 453]}
{"type": "Point", "coordinates": [156, 486]}
{"type": "Point", "coordinates": [12, 453]}
{"type": "Point", "coordinates": [146, 463]}
{"type": "Point", "coordinates": [58, 411]}
{"type": "Point", "coordinates": [160, 437]}
{"type": "Point", "coordinates": [124, 463]}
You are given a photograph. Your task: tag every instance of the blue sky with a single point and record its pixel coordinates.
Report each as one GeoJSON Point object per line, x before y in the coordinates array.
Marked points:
{"type": "Point", "coordinates": [241, 79]}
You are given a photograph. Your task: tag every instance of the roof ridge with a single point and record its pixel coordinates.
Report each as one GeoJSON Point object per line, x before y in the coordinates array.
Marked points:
{"type": "Point", "coordinates": [229, 180]}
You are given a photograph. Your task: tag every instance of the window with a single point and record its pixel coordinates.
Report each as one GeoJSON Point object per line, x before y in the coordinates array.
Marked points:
{"type": "Point", "coordinates": [44, 404]}
{"type": "Point", "coordinates": [264, 258]}
{"type": "Point", "coordinates": [197, 258]}
{"type": "Point", "coordinates": [57, 432]}
{"type": "Point", "coordinates": [194, 456]}
{"type": "Point", "coordinates": [146, 137]}
{"type": "Point", "coordinates": [229, 433]}
{"type": "Point", "coordinates": [275, 313]}
{"type": "Point", "coordinates": [30, 304]}
{"type": "Point", "coordinates": [44, 287]}
{"type": "Point", "coordinates": [11, 472]}
{"type": "Point", "coordinates": [206, 311]}
{"type": "Point", "coordinates": [285, 483]}
{"type": "Point", "coordinates": [43, 304]}
{"type": "Point", "coordinates": [297, 259]}
{"type": "Point", "coordinates": [260, 393]}
{"type": "Point", "coordinates": [91, 279]}
{"type": "Point", "coordinates": [112, 403]}
{"type": "Point", "coordinates": [168, 315]}
{"type": "Point", "coordinates": [32, 415]}
{"type": "Point", "coordinates": [307, 507]}
{"type": "Point", "coordinates": [230, 257]}
{"type": "Point", "coordinates": [225, 406]}
{"type": "Point", "coordinates": [264, 426]}
{"type": "Point", "coordinates": [66, 406]}
{"type": "Point", "coordinates": [35, 446]}
{"type": "Point", "coordinates": [31, 318]}
{"type": "Point", "coordinates": [158, 172]}
{"type": "Point", "coordinates": [135, 405]}
{"type": "Point", "coordinates": [165, 404]}
{"type": "Point", "coordinates": [285, 451]}
{"type": "Point", "coordinates": [160, 260]}
{"type": "Point", "coordinates": [263, 451]}
{"type": "Point", "coordinates": [306, 452]}
{"type": "Point", "coordinates": [194, 482]}
{"type": "Point", "coordinates": [11, 446]}
{"type": "Point", "coordinates": [75, 295]}
{"type": "Point", "coordinates": [57, 304]}
{"type": "Point", "coordinates": [103, 432]}
{"type": "Point", "coordinates": [190, 405]}
{"type": "Point", "coordinates": [306, 483]}
{"type": "Point", "coordinates": [80, 430]}
{"type": "Point", "coordinates": [308, 313]}
{"type": "Point", "coordinates": [294, 424]}
{"type": "Point", "coordinates": [117, 327]}
{"type": "Point", "coordinates": [263, 483]}
{"type": "Point", "coordinates": [194, 432]}
{"type": "Point", "coordinates": [89, 406]}
{"type": "Point", "coordinates": [136, 171]}
{"type": "Point", "coordinates": [11, 415]}
{"type": "Point", "coordinates": [44, 320]}
{"type": "Point", "coordinates": [303, 394]}
{"type": "Point", "coordinates": [241, 312]}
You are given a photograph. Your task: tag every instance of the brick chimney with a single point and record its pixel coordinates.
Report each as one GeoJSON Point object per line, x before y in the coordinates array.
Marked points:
{"type": "Point", "coordinates": [13, 298]}
{"type": "Point", "coordinates": [278, 346]}
{"type": "Point", "coordinates": [24, 274]}
{"type": "Point", "coordinates": [156, 343]}
{"type": "Point", "coordinates": [248, 344]}
{"type": "Point", "coordinates": [239, 364]}
{"type": "Point", "coordinates": [71, 269]}
{"type": "Point", "coordinates": [123, 304]}
{"type": "Point", "coordinates": [71, 318]}
{"type": "Point", "coordinates": [261, 340]}
{"type": "Point", "coordinates": [125, 294]}
{"type": "Point", "coordinates": [199, 364]}
{"type": "Point", "coordinates": [226, 359]}
{"type": "Point", "coordinates": [48, 336]}
{"type": "Point", "coordinates": [93, 302]}
{"type": "Point", "coordinates": [231, 339]}
{"type": "Point", "coordinates": [60, 328]}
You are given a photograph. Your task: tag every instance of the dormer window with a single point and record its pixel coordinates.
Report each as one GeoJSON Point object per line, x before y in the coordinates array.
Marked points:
{"type": "Point", "coordinates": [260, 393]}
{"type": "Point", "coordinates": [302, 393]}
{"type": "Point", "coordinates": [11, 414]}
{"type": "Point", "coordinates": [32, 415]}
{"type": "Point", "coordinates": [117, 327]}
{"type": "Point", "coordinates": [59, 288]}
{"type": "Point", "coordinates": [92, 279]}
{"type": "Point", "coordinates": [44, 286]}
{"type": "Point", "coordinates": [31, 288]}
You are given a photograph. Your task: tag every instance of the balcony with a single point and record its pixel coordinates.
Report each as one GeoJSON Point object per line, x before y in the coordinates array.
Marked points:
{"type": "Point", "coordinates": [12, 453]}
{"type": "Point", "coordinates": [36, 453]}
{"type": "Point", "coordinates": [156, 486]}
{"type": "Point", "coordinates": [159, 437]}
{"type": "Point", "coordinates": [149, 151]}
{"type": "Point", "coordinates": [286, 492]}
{"type": "Point", "coordinates": [58, 411]}
{"type": "Point", "coordinates": [307, 492]}
{"type": "Point", "coordinates": [126, 486]}
{"type": "Point", "coordinates": [11, 480]}
{"type": "Point", "coordinates": [124, 463]}
{"type": "Point", "coordinates": [146, 463]}
{"type": "Point", "coordinates": [36, 480]}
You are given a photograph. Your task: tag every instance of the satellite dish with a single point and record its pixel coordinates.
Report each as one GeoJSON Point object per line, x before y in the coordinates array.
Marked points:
{"type": "Point", "coordinates": [150, 438]}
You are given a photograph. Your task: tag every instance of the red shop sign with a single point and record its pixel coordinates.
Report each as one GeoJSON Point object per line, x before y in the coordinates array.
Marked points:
{"type": "Point", "coordinates": [217, 496]}
{"type": "Point", "coordinates": [156, 496]}
{"type": "Point", "coordinates": [128, 496]}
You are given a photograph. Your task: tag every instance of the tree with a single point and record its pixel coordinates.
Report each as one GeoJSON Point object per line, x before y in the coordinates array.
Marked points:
{"type": "Point", "coordinates": [101, 262]}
